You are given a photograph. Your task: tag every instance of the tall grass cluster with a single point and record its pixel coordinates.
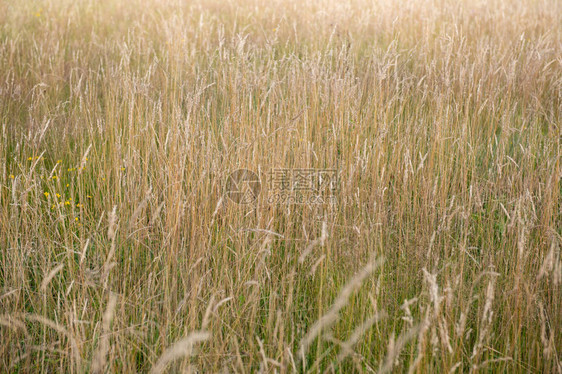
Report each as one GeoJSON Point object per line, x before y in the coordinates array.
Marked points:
{"type": "Point", "coordinates": [120, 122]}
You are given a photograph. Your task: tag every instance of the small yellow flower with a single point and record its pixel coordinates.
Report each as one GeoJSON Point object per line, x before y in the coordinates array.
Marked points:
{"type": "Point", "coordinates": [29, 158]}
{"type": "Point", "coordinates": [59, 161]}
{"type": "Point", "coordinates": [67, 202]}
{"type": "Point", "coordinates": [103, 179]}
{"type": "Point", "coordinates": [58, 194]}
{"type": "Point", "coordinates": [122, 169]}
{"type": "Point", "coordinates": [67, 185]}
{"type": "Point", "coordinates": [76, 219]}
{"type": "Point", "coordinates": [54, 177]}
{"type": "Point", "coordinates": [12, 176]}
{"type": "Point", "coordinates": [70, 198]}
{"type": "Point", "coordinates": [78, 205]}
{"type": "Point", "coordinates": [89, 197]}
{"type": "Point", "coordinates": [46, 194]}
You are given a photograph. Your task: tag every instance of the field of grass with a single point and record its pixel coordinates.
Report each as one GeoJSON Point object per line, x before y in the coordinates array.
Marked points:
{"type": "Point", "coordinates": [121, 250]}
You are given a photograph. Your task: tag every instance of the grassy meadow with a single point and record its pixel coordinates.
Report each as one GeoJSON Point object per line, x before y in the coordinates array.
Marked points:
{"type": "Point", "coordinates": [120, 122]}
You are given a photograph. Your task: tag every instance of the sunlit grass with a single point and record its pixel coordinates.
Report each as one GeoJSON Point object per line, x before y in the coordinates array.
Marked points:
{"type": "Point", "coordinates": [121, 121]}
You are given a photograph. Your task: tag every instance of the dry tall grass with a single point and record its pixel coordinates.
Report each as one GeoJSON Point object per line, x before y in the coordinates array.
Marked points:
{"type": "Point", "coordinates": [121, 120]}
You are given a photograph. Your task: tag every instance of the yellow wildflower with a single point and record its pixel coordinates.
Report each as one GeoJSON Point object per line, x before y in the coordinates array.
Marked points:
{"type": "Point", "coordinates": [46, 194]}
{"type": "Point", "coordinates": [12, 176]}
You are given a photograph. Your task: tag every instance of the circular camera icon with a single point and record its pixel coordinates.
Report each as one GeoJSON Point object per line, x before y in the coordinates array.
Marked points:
{"type": "Point", "coordinates": [243, 186]}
